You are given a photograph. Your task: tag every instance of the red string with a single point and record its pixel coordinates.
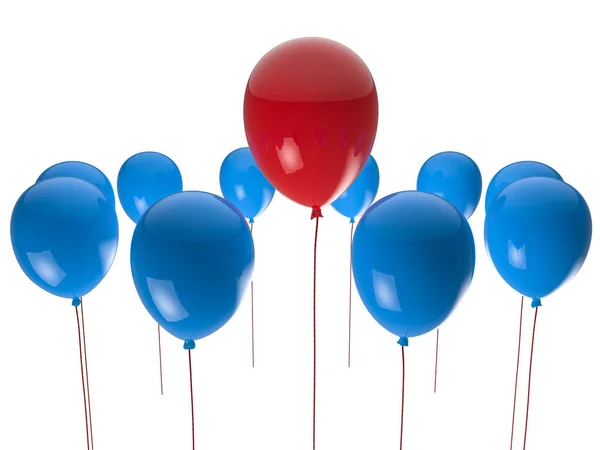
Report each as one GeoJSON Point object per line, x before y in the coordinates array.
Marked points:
{"type": "Point", "coordinates": [402, 407]}
{"type": "Point", "coordinates": [529, 381]}
{"type": "Point", "coordinates": [512, 432]}
{"type": "Point", "coordinates": [83, 380]}
{"type": "Point", "coordinates": [350, 296]}
{"type": "Point", "coordinates": [160, 368]}
{"type": "Point", "coordinates": [252, 303]}
{"type": "Point", "coordinates": [316, 214]}
{"type": "Point", "coordinates": [87, 380]}
{"type": "Point", "coordinates": [192, 398]}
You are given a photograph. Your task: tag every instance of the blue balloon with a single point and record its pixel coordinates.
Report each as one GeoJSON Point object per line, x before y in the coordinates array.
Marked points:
{"type": "Point", "coordinates": [454, 177]}
{"type": "Point", "coordinates": [538, 233]}
{"type": "Point", "coordinates": [192, 258]}
{"type": "Point", "coordinates": [514, 172]}
{"type": "Point", "coordinates": [64, 235]}
{"type": "Point", "coordinates": [244, 185]}
{"type": "Point", "coordinates": [413, 258]}
{"type": "Point", "coordinates": [83, 171]}
{"type": "Point", "coordinates": [361, 193]}
{"type": "Point", "coordinates": [144, 179]}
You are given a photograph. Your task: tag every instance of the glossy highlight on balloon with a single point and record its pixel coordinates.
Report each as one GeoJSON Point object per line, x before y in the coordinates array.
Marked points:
{"type": "Point", "coordinates": [64, 234]}
{"type": "Point", "coordinates": [192, 258]}
{"type": "Point", "coordinates": [83, 171]}
{"type": "Point", "coordinates": [361, 193]}
{"type": "Point", "coordinates": [538, 233]}
{"type": "Point", "coordinates": [454, 177]}
{"type": "Point", "coordinates": [310, 116]}
{"type": "Point", "coordinates": [243, 184]}
{"type": "Point", "coordinates": [514, 172]}
{"type": "Point", "coordinates": [144, 179]}
{"type": "Point", "coordinates": [413, 258]}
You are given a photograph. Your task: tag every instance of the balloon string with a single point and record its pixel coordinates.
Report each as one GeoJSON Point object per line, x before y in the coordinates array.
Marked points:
{"type": "Point", "coordinates": [512, 432]}
{"type": "Point", "coordinates": [316, 215]}
{"type": "Point", "coordinates": [87, 379]}
{"type": "Point", "coordinates": [252, 303]}
{"type": "Point", "coordinates": [437, 343]}
{"type": "Point", "coordinates": [529, 380]}
{"type": "Point", "coordinates": [83, 380]}
{"type": "Point", "coordinates": [402, 407]}
{"type": "Point", "coordinates": [192, 398]}
{"type": "Point", "coordinates": [160, 367]}
{"type": "Point", "coordinates": [350, 296]}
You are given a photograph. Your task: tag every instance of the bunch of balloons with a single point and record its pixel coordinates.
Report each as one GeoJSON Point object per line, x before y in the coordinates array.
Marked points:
{"type": "Point", "coordinates": [192, 253]}
{"type": "Point", "coordinates": [310, 116]}
{"type": "Point", "coordinates": [64, 231]}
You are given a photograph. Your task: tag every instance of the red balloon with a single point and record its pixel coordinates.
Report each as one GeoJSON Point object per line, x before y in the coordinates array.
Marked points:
{"type": "Point", "coordinates": [310, 115]}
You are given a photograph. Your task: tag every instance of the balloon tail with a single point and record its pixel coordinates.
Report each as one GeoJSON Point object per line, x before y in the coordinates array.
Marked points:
{"type": "Point", "coordinates": [160, 367]}
{"type": "Point", "coordinates": [252, 301]}
{"type": "Point", "coordinates": [437, 345]}
{"type": "Point", "coordinates": [512, 431]}
{"type": "Point", "coordinates": [316, 214]}
{"type": "Point", "coordinates": [350, 296]}
{"type": "Point", "coordinates": [192, 398]}
{"type": "Point", "coordinates": [402, 402]}
{"type": "Point", "coordinates": [529, 379]}
{"type": "Point", "coordinates": [87, 432]}
{"type": "Point", "coordinates": [87, 379]}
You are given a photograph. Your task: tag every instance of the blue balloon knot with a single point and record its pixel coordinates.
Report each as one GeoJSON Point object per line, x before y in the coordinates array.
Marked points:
{"type": "Point", "coordinates": [76, 302]}
{"type": "Point", "coordinates": [251, 220]}
{"type": "Point", "coordinates": [535, 302]}
{"type": "Point", "coordinates": [352, 220]}
{"type": "Point", "coordinates": [189, 344]}
{"type": "Point", "coordinates": [403, 341]}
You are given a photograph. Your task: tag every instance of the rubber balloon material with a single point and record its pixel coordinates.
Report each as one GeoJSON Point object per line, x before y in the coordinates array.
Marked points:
{"type": "Point", "coordinates": [64, 235]}
{"type": "Point", "coordinates": [83, 171]}
{"type": "Point", "coordinates": [361, 193]}
{"type": "Point", "coordinates": [413, 258]}
{"type": "Point", "coordinates": [310, 115]}
{"type": "Point", "coordinates": [144, 179]}
{"type": "Point", "coordinates": [244, 185]}
{"type": "Point", "coordinates": [514, 172]}
{"type": "Point", "coordinates": [192, 258]}
{"type": "Point", "coordinates": [454, 177]}
{"type": "Point", "coordinates": [538, 233]}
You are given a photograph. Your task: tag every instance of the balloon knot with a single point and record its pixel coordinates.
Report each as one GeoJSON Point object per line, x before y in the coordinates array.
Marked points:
{"type": "Point", "coordinates": [535, 302]}
{"type": "Point", "coordinates": [403, 341]}
{"type": "Point", "coordinates": [76, 302]}
{"type": "Point", "coordinates": [251, 220]}
{"type": "Point", "coordinates": [352, 220]}
{"type": "Point", "coordinates": [316, 212]}
{"type": "Point", "coordinates": [189, 344]}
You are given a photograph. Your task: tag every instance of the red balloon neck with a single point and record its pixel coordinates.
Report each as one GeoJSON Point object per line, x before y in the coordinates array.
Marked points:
{"type": "Point", "coordinates": [316, 212]}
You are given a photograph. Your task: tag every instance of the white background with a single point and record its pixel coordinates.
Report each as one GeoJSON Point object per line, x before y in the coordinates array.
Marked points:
{"type": "Point", "coordinates": [100, 81]}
